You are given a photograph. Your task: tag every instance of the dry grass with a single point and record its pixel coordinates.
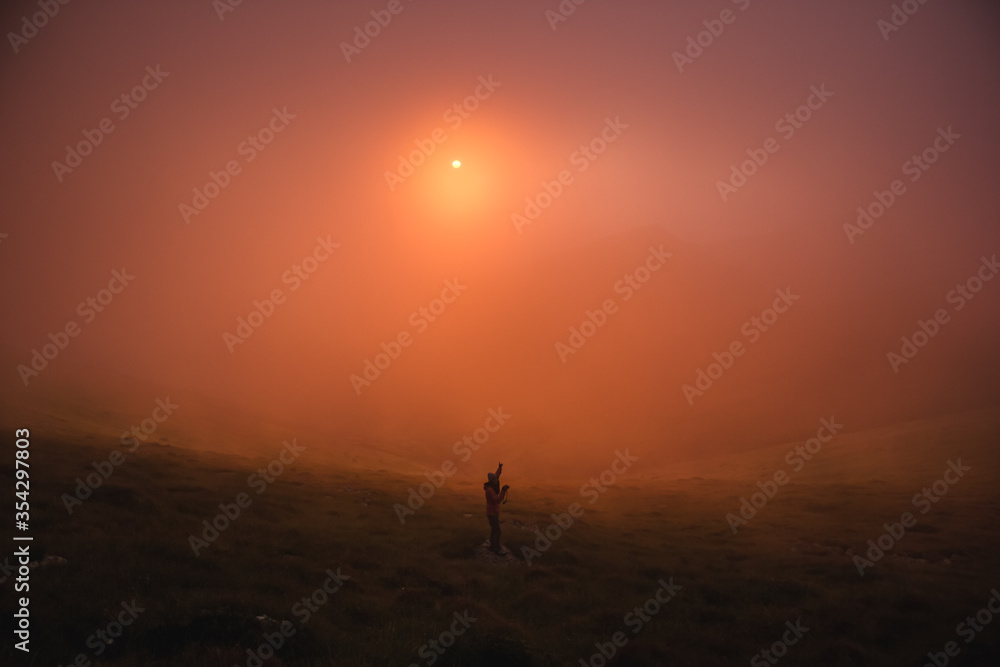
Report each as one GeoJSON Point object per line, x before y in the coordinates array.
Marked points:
{"type": "Point", "coordinates": [130, 540]}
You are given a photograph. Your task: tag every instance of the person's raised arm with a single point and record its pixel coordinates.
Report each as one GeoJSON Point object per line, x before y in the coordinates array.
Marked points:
{"type": "Point", "coordinates": [499, 469]}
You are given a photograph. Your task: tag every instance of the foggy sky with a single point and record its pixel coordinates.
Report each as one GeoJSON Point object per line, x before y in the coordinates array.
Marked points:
{"type": "Point", "coordinates": [609, 67]}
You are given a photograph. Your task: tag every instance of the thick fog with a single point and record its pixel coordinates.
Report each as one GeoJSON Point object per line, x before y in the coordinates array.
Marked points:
{"type": "Point", "coordinates": [651, 241]}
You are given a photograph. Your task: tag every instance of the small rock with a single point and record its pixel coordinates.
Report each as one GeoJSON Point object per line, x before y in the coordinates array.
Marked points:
{"type": "Point", "coordinates": [267, 623]}
{"type": "Point", "coordinates": [484, 553]}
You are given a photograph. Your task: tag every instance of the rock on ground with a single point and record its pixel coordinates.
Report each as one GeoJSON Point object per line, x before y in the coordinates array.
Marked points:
{"type": "Point", "coordinates": [483, 553]}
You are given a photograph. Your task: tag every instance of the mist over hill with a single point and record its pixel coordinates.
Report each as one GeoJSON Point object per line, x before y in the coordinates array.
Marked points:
{"type": "Point", "coordinates": [588, 349]}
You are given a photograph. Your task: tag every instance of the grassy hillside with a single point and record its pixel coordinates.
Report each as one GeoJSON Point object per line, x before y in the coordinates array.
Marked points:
{"type": "Point", "coordinates": [792, 561]}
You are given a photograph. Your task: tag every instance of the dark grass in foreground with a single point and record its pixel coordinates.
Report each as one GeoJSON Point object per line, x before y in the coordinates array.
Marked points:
{"type": "Point", "coordinates": [793, 561]}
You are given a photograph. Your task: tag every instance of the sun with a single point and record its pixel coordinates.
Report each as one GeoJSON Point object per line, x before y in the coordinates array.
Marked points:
{"type": "Point", "coordinates": [456, 164]}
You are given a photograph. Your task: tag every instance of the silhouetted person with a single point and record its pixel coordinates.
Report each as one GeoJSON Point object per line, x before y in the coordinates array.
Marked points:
{"type": "Point", "coordinates": [494, 496]}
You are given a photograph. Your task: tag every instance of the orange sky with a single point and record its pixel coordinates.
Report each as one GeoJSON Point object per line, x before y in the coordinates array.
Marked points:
{"type": "Point", "coordinates": [591, 118]}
